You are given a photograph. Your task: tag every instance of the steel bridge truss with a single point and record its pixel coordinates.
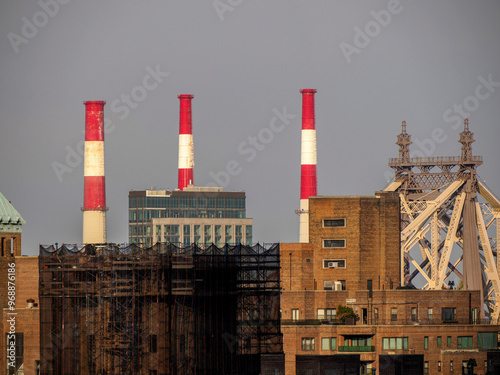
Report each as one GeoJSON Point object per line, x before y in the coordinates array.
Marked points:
{"type": "Point", "coordinates": [446, 232]}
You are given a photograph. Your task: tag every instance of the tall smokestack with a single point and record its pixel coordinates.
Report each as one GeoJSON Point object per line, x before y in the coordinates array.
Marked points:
{"type": "Point", "coordinates": [308, 181]}
{"type": "Point", "coordinates": [186, 154]}
{"type": "Point", "coordinates": [94, 196]}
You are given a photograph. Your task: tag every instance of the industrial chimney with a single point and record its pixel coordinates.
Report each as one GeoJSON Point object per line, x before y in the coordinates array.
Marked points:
{"type": "Point", "coordinates": [94, 196]}
{"type": "Point", "coordinates": [308, 182]}
{"type": "Point", "coordinates": [186, 155]}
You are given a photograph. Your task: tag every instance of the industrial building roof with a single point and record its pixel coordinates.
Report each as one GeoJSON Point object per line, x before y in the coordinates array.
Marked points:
{"type": "Point", "coordinates": [8, 214]}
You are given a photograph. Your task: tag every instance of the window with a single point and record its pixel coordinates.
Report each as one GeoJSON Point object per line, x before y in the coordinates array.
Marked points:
{"type": "Point", "coordinates": [448, 341]}
{"type": "Point", "coordinates": [328, 343]}
{"type": "Point", "coordinates": [392, 343]}
{"type": "Point", "coordinates": [238, 234]}
{"type": "Point", "coordinates": [358, 341]}
{"type": "Point", "coordinates": [426, 367]}
{"type": "Point", "coordinates": [426, 342]}
{"type": "Point", "coordinates": [229, 233]}
{"type": "Point", "coordinates": [439, 341]}
{"type": "Point", "coordinates": [329, 223]}
{"type": "Point", "coordinates": [333, 243]}
{"type": "Point", "coordinates": [307, 343]}
{"type": "Point", "coordinates": [439, 366]}
{"type": "Point", "coordinates": [327, 285]}
{"type": "Point", "coordinates": [448, 314]}
{"type": "Point", "coordinates": [413, 314]}
{"type": "Point", "coordinates": [487, 340]}
{"type": "Point", "coordinates": [429, 314]}
{"type": "Point", "coordinates": [474, 315]}
{"type": "Point", "coordinates": [248, 233]}
{"type": "Point", "coordinates": [464, 342]}
{"type": "Point", "coordinates": [333, 263]}
{"type": "Point", "coordinates": [375, 315]}
{"type": "Point", "coordinates": [451, 366]}
{"type": "Point", "coordinates": [394, 314]}
{"type": "Point", "coordinates": [328, 314]}
{"type": "Point", "coordinates": [295, 314]}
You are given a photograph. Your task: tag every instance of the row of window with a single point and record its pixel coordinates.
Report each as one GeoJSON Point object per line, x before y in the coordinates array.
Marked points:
{"type": "Point", "coordinates": [487, 339]}
{"type": "Point", "coordinates": [186, 202]}
{"type": "Point", "coordinates": [330, 343]}
{"type": "Point", "coordinates": [197, 230]}
{"type": "Point", "coordinates": [146, 215]}
{"type": "Point", "coordinates": [464, 367]}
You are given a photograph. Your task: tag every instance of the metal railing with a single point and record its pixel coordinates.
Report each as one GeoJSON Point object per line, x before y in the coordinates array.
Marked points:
{"type": "Point", "coordinates": [356, 349]}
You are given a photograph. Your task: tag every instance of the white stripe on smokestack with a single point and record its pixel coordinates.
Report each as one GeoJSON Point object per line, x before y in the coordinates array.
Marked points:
{"type": "Point", "coordinates": [186, 153]}
{"type": "Point", "coordinates": [308, 181]}
{"type": "Point", "coordinates": [94, 200]}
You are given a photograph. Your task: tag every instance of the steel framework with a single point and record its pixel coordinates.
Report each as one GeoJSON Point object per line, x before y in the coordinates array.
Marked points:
{"type": "Point", "coordinates": [445, 229]}
{"type": "Point", "coordinates": [161, 310]}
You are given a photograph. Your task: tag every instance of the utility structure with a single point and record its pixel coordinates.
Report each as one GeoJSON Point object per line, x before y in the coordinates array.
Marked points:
{"type": "Point", "coordinates": [186, 154]}
{"type": "Point", "coordinates": [308, 161]}
{"type": "Point", "coordinates": [445, 229]}
{"type": "Point", "coordinates": [94, 198]}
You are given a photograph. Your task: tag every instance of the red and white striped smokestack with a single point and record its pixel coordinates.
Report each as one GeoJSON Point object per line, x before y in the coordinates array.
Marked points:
{"type": "Point", "coordinates": [186, 154]}
{"type": "Point", "coordinates": [94, 196]}
{"type": "Point", "coordinates": [308, 181]}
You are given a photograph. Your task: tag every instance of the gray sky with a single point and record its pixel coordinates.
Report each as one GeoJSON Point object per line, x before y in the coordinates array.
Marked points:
{"type": "Point", "coordinates": [373, 63]}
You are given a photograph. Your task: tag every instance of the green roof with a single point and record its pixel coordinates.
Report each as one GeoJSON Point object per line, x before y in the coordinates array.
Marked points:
{"type": "Point", "coordinates": [8, 214]}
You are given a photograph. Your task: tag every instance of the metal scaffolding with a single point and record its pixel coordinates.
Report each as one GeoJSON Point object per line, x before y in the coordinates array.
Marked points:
{"type": "Point", "coordinates": [161, 310]}
{"type": "Point", "coordinates": [445, 229]}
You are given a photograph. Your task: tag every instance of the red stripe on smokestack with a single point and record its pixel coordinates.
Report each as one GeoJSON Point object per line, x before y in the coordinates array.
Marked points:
{"type": "Point", "coordinates": [94, 193]}
{"type": "Point", "coordinates": [186, 154]}
{"type": "Point", "coordinates": [308, 181]}
{"type": "Point", "coordinates": [308, 118]}
{"type": "Point", "coordinates": [185, 121]}
{"type": "Point", "coordinates": [94, 121]}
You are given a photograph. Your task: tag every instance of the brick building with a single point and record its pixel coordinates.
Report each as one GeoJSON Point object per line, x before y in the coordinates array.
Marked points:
{"type": "Point", "coordinates": [18, 297]}
{"type": "Point", "coordinates": [353, 260]}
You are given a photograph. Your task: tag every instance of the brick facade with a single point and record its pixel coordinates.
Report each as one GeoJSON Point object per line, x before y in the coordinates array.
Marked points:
{"type": "Point", "coordinates": [409, 320]}
{"type": "Point", "coordinates": [26, 318]}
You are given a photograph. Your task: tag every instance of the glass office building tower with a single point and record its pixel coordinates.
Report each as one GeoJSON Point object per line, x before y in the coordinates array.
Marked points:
{"type": "Point", "coordinates": [202, 215]}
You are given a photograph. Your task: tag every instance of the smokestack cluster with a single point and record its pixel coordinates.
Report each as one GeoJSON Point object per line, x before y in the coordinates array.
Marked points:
{"type": "Point", "coordinates": [308, 180]}
{"type": "Point", "coordinates": [94, 198]}
{"type": "Point", "coordinates": [186, 154]}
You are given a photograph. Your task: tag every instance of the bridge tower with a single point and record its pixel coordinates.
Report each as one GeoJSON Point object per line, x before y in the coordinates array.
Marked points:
{"type": "Point", "coordinates": [445, 227]}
